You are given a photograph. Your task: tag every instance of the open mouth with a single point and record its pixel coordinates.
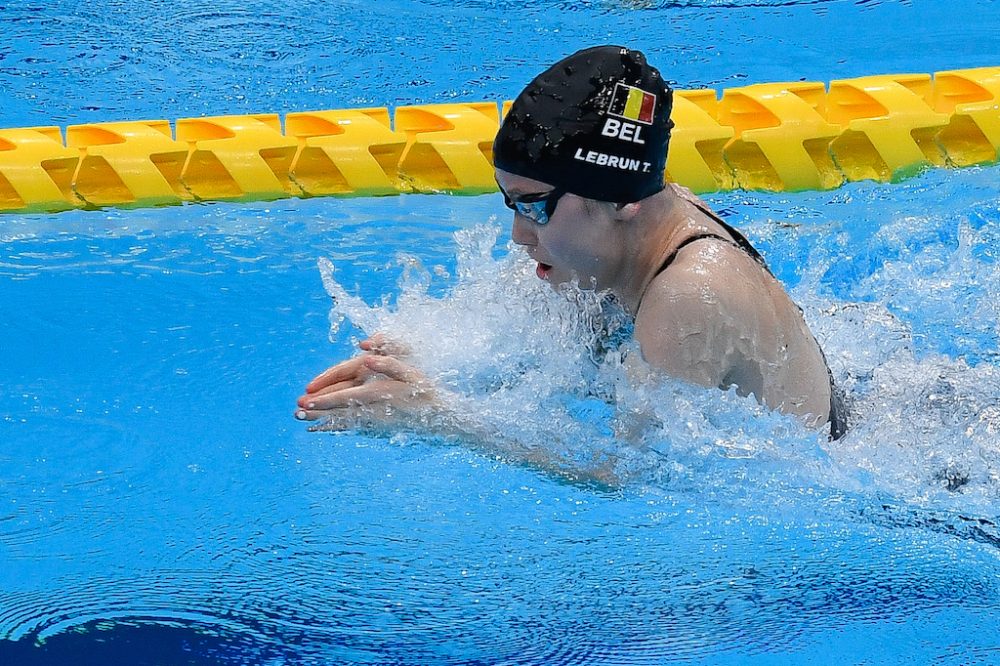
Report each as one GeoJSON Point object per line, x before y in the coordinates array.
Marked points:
{"type": "Point", "coordinates": [542, 270]}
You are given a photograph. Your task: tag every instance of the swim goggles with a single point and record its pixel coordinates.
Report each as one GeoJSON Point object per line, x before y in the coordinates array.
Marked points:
{"type": "Point", "coordinates": [536, 207]}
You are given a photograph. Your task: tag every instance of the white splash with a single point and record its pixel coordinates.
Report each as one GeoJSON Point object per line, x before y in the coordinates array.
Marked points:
{"type": "Point", "coordinates": [924, 426]}
{"type": "Point", "coordinates": [916, 353]}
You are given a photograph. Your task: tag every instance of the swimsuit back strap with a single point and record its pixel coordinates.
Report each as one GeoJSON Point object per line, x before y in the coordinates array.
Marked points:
{"type": "Point", "coordinates": [737, 237]}
{"type": "Point", "coordinates": [687, 241]}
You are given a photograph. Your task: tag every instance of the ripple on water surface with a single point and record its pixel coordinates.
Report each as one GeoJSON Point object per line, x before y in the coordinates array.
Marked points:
{"type": "Point", "coordinates": [736, 532]}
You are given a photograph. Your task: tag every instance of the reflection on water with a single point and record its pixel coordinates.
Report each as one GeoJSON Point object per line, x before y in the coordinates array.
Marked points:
{"type": "Point", "coordinates": [156, 493]}
{"type": "Point", "coordinates": [158, 503]}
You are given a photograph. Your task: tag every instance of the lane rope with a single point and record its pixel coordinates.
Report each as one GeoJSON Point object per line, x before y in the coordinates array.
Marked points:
{"type": "Point", "coordinates": [771, 136]}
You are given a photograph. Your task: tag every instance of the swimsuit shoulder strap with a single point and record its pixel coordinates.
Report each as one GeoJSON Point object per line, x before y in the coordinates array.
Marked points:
{"type": "Point", "coordinates": [687, 241]}
{"type": "Point", "coordinates": [735, 238]}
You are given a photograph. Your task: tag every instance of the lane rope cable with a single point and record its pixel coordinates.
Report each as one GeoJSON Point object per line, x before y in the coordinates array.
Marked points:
{"type": "Point", "coordinates": [770, 136]}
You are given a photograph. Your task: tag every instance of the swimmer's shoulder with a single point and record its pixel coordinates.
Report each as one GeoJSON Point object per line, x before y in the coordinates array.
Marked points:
{"type": "Point", "coordinates": [686, 194]}
{"type": "Point", "coordinates": [695, 312]}
{"type": "Point", "coordinates": [706, 276]}
{"type": "Point", "coordinates": [706, 262]}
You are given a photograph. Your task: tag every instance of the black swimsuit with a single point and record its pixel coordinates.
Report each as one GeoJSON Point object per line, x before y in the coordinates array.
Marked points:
{"type": "Point", "coordinates": [838, 421]}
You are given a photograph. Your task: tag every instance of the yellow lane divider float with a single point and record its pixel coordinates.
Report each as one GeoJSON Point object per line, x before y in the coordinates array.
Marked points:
{"type": "Point", "coordinates": [774, 136]}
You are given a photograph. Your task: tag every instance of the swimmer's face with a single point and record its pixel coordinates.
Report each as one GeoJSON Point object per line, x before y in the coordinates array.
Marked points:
{"type": "Point", "coordinates": [571, 243]}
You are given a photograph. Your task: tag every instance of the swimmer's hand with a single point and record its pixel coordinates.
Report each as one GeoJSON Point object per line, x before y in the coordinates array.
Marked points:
{"type": "Point", "coordinates": [375, 389]}
{"type": "Point", "coordinates": [378, 391]}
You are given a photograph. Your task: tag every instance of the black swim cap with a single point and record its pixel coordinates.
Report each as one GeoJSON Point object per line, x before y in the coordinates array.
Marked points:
{"type": "Point", "coordinates": [596, 124]}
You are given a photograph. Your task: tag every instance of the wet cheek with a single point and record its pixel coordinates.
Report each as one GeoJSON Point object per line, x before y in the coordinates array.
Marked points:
{"type": "Point", "coordinates": [575, 265]}
{"type": "Point", "coordinates": [570, 251]}
{"type": "Point", "coordinates": [521, 232]}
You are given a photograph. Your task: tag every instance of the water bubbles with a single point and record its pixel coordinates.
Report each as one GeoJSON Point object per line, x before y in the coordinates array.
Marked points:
{"type": "Point", "coordinates": [548, 374]}
{"type": "Point", "coordinates": [908, 341]}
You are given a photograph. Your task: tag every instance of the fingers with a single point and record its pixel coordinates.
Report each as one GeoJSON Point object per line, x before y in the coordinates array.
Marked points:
{"type": "Point", "coordinates": [368, 386]}
{"type": "Point", "coordinates": [355, 396]}
{"type": "Point", "coordinates": [357, 370]}
{"type": "Point", "coordinates": [328, 420]}
{"type": "Point", "coordinates": [373, 344]}
{"type": "Point", "coordinates": [349, 408]}
{"type": "Point", "coordinates": [346, 420]}
{"type": "Point", "coordinates": [379, 344]}
{"type": "Point", "coordinates": [373, 401]}
{"type": "Point", "coordinates": [333, 388]}
{"type": "Point", "coordinates": [339, 386]}
{"type": "Point", "coordinates": [350, 370]}
{"type": "Point", "coordinates": [333, 421]}
{"type": "Point", "coordinates": [393, 368]}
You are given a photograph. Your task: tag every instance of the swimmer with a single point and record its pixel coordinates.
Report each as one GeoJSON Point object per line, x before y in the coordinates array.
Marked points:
{"type": "Point", "coordinates": [580, 160]}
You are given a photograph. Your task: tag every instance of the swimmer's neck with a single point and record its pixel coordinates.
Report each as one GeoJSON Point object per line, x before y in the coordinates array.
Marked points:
{"type": "Point", "coordinates": [649, 236]}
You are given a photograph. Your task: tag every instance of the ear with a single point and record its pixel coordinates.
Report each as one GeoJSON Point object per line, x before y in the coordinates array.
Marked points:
{"type": "Point", "coordinates": [627, 211]}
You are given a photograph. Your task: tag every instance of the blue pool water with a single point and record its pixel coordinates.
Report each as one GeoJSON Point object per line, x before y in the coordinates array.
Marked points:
{"type": "Point", "coordinates": [160, 505]}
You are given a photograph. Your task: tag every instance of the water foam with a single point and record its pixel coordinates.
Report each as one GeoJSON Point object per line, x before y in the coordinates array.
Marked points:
{"type": "Point", "coordinates": [922, 390]}
{"type": "Point", "coordinates": [916, 350]}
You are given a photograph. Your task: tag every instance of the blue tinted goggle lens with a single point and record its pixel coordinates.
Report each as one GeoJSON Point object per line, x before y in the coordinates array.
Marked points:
{"type": "Point", "coordinates": [536, 207]}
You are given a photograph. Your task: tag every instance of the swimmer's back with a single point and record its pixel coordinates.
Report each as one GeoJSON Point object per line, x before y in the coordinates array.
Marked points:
{"type": "Point", "coordinates": [715, 316]}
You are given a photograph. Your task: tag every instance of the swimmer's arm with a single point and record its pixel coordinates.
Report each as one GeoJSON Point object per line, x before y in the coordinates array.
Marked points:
{"type": "Point", "coordinates": [712, 319]}
{"type": "Point", "coordinates": [380, 392]}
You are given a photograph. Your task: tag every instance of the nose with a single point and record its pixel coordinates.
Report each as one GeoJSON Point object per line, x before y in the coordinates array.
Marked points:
{"type": "Point", "coordinates": [523, 232]}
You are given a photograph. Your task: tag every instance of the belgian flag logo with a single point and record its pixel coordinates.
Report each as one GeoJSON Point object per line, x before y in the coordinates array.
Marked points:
{"type": "Point", "coordinates": [633, 103]}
